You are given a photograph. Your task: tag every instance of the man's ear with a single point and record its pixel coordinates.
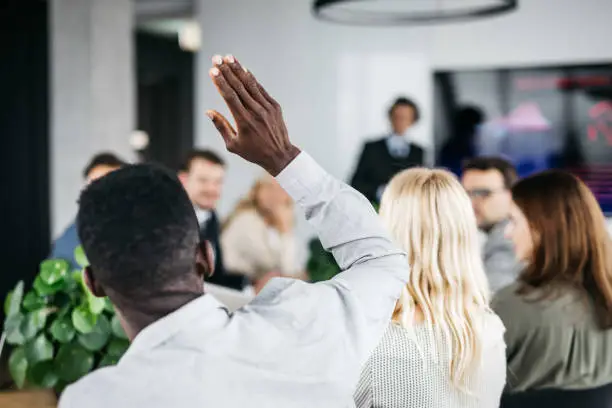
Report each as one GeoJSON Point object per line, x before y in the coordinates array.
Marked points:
{"type": "Point", "coordinates": [93, 286]}
{"type": "Point", "coordinates": [182, 176]}
{"type": "Point", "coordinates": [205, 259]}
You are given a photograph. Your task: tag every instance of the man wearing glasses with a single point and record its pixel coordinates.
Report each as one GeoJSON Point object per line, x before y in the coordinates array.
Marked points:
{"type": "Point", "coordinates": [487, 181]}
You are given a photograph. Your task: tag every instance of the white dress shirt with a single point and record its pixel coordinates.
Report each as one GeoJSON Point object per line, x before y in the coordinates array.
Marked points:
{"type": "Point", "coordinates": [202, 215]}
{"type": "Point", "coordinates": [295, 345]}
{"type": "Point", "coordinates": [398, 145]}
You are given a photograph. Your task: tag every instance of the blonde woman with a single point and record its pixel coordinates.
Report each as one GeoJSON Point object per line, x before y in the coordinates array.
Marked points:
{"type": "Point", "coordinates": [257, 239]}
{"type": "Point", "coordinates": [444, 347]}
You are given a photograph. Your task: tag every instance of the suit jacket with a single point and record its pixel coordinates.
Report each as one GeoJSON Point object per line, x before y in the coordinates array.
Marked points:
{"type": "Point", "coordinates": [210, 232]}
{"type": "Point", "coordinates": [377, 166]}
{"type": "Point", "coordinates": [501, 266]}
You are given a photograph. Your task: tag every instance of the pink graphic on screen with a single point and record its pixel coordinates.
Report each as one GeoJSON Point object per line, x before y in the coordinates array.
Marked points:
{"type": "Point", "coordinates": [525, 135]}
{"type": "Point", "coordinates": [600, 126]}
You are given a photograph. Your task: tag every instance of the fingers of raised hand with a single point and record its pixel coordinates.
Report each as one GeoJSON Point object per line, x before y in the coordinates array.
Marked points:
{"type": "Point", "coordinates": [224, 127]}
{"type": "Point", "coordinates": [228, 94]}
{"type": "Point", "coordinates": [249, 82]}
{"type": "Point", "coordinates": [235, 82]}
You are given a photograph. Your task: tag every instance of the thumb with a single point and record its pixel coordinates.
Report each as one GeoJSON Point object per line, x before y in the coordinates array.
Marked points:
{"type": "Point", "coordinates": [223, 126]}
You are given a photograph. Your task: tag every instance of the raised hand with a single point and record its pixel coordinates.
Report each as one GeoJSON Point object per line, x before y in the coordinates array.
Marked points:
{"type": "Point", "coordinates": [261, 135]}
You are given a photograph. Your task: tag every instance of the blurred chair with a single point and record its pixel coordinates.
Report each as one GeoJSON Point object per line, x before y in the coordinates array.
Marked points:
{"type": "Point", "coordinates": [555, 398]}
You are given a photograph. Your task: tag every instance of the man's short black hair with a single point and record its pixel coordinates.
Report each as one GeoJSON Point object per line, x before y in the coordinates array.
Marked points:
{"type": "Point", "coordinates": [139, 230]}
{"type": "Point", "coordinates": [484, 163]}
{"type": "Point", "coordinates": [102, 159]}
{"type": "Point", "coordinates": [207, 155]}
{"type": "Point", "coordinates": [403, 101]}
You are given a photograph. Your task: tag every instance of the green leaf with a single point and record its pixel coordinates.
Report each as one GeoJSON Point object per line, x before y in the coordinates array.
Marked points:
{"type": "Point", "coordinates": [18, 366]}
{"type": "Point", "coordinates": [12, 328]}
{"type": "Point", "coordinates": [13, 322]}
{"type": "Point", "coordinates": [12, 302]}
{"type": "Point", "coordinates": [43, 375]}
{"type": "Point", "coordinates": [44, 289]}
{"type": "Point", "coordinates": [79, 257]}
{"type": "Point", "coordinates": [96, 304]}
{"type": "Point", "coordinates": [108, 360]}
{"type": "Point", "coordinates": [32, 301]}
{"type": "Point", "coordinates": [117, 328]}
{"type": "Point", "coordinates": [83, 320]}
{"type": "Point", "coordinates": [34, 322]}
{"type": "Point", "coordinates": [62, 330]}
{"type": "Point", "coordinates": [98, 337]}
{"type": "Point", "coordinates": [108, 305]}
{"type": "Point", "coordinates": [73, 362]}
{"type": "Point", "coordinates": [53, 271]}
{"type": "Point", "coordinates": [117, 347]}
{"type": "Point", "coordinates": [7, 303]}
{"type": "Point", "coordinates": [15, 338]}
{"type": "Point", "coordinates": [39, 349]}
{"type": "Point", "coordinates": [77, 276]}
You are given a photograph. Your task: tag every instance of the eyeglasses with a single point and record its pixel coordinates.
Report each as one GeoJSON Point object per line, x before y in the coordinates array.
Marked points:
{"type": "Point", "coordinates": [482, 192]}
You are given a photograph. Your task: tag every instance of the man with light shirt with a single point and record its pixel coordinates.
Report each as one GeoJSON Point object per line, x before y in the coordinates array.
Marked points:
{"type": "Point", "coordinates": [296, 345]}
{"type": "Point", "coordinates": [382, 159]}
{"type": "Point", "coordinates": [488, 180]}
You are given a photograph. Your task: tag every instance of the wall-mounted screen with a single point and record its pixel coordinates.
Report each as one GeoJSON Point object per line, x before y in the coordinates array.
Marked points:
{"type": "Point", "coordinates": [539, 118]}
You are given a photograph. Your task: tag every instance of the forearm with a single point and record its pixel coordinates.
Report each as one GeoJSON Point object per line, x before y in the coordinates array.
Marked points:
{"type": "Point", "coordinates": [344, 220]}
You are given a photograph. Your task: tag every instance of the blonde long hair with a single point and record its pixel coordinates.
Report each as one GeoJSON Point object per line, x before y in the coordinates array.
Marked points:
{"type": "Point", "coordinates": [430, 216]}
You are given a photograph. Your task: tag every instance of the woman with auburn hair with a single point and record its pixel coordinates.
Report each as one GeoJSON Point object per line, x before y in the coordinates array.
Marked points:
{"type": "Point", "coordinates": [444, 347]}
{"type": "Point", "coordinates": [257, 238]}
{"type": "Point", "coordinates": [558, 315]}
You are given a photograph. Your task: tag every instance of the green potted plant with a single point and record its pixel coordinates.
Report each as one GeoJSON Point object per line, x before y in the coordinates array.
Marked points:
{"type": "Point", "coordinates": [58, 331]}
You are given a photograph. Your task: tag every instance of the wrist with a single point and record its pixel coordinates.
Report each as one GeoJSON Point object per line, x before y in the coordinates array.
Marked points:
{"type": "Point", "coordinates": [282, 160]}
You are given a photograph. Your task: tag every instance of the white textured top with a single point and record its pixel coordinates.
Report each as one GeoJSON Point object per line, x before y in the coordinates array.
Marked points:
{"type": "Point", "coordinates": [295, 345]}
{"type": "Point", "coordinates": [404, 371]}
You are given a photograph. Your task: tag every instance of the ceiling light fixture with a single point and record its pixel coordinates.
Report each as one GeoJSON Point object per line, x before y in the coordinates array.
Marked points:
{"type": "Point", "coordinates": [408, 12]}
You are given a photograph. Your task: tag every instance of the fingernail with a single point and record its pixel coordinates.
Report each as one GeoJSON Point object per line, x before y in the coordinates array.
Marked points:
{"type": "Point", "coordinates": [217, 60]}
{"type": "Point", "coordinates": [215, 71]}
{"type": "Point", "coordinates": [245, 69]}
{"type": "Point", "coordinates": [209, 114]}
{"type": "Point", "coordinates": [230, 58]}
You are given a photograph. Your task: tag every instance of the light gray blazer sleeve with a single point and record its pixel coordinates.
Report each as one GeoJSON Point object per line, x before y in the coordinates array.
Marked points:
{"type": "Point", "coordinates": [374, 269]}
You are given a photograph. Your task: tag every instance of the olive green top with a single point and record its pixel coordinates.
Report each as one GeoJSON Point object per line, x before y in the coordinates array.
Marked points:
{"type": "Point", "coordinates": [553, 343]}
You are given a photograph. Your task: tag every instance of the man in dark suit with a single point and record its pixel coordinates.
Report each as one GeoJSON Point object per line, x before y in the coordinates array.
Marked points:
{"type": "Point", "coordinates": [202, 175]}
{"type": "Point", "coordinates": [382, 159]}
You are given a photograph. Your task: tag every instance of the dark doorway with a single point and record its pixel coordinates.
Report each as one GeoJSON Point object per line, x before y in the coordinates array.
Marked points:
{"type": "Point", "coordinates": [24, 140]}
{"type": "Point", "coordinates": [165, 97]}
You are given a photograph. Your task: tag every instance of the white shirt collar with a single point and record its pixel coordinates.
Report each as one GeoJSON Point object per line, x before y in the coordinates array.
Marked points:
{"type": "Point", "coordinates": [205, 307]}
{"type": "Point", "coordinates": [202, 215]}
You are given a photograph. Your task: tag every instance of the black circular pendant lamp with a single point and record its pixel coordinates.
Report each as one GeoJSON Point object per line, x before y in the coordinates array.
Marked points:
{"type": "Point", "coordinates": [408, 12]}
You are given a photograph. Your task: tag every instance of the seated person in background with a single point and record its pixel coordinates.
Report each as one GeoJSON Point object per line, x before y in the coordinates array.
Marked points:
{"type": "Point", "coordinates": [445, 347]}
{"type": "Point", "coordinates": [99, 165]}
{"type": "Point", "coordinates": [295, 345]}
{"type": "Point", "coordinates": [487, 181]}
{"type": "Point", "coordinates": [558, 315]}
{"type": "Point", "coordinates": [257, 238]}
{"type": "Point", "coordinates": [202, 175]}
{"type": "Point", "coordinates": [380, 160]}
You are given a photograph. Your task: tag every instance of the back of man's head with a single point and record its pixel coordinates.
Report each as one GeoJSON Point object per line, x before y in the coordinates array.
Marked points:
{"type": "Point", "coordinates": [198, 154]}
{"type": "Point", "coordinates": [139, 232]}
{"type": "Point", "coordinates": [100, 165]}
